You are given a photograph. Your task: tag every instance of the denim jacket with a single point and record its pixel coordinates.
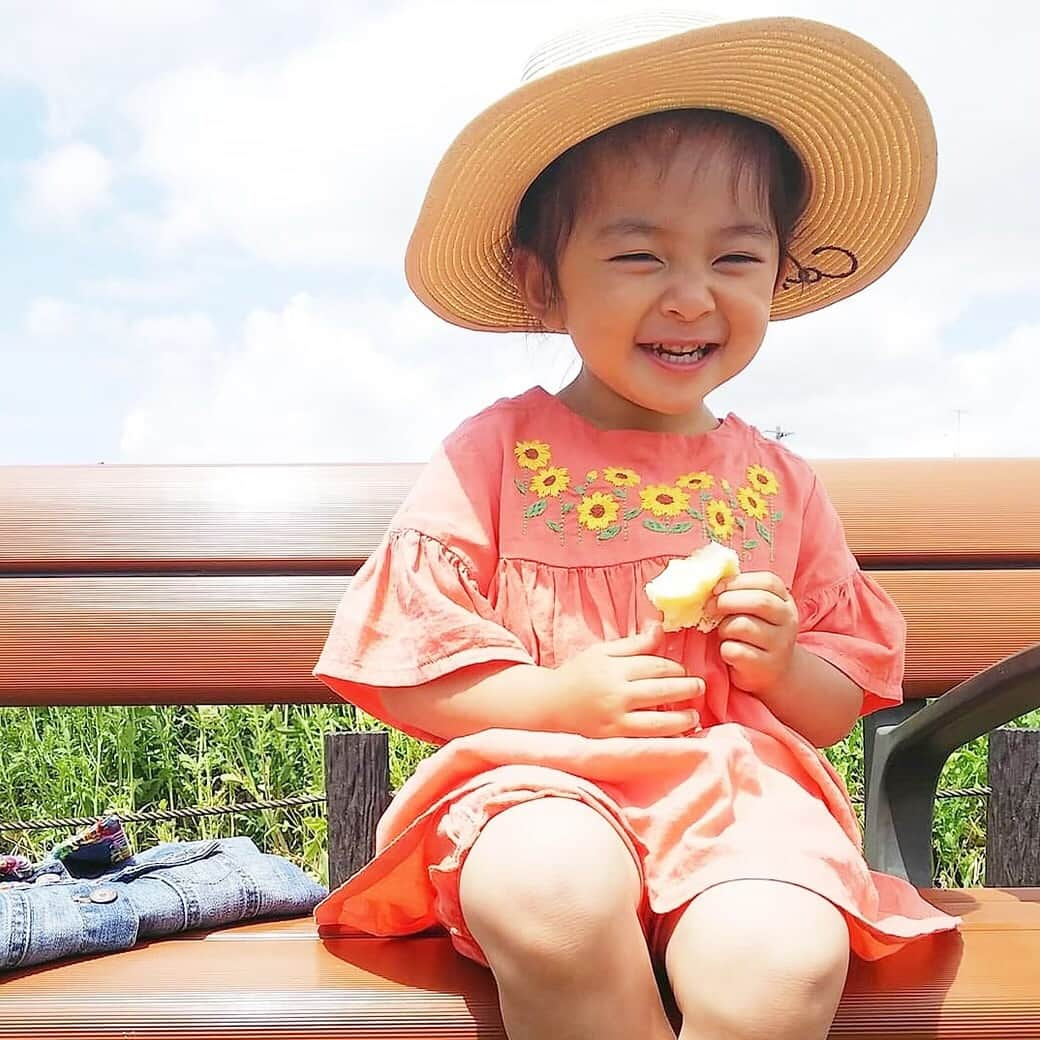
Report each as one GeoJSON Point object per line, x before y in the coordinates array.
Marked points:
{"type": "Point", "coordinates": [171, 887]}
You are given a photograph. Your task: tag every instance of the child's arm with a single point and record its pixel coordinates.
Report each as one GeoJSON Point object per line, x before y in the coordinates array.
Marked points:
{"type": "Point", "coordinates": [616, 688]}
{"type": "Point", "coordinates": [815, 698]}
{"type": "Point", "coordinates": [759, 632]}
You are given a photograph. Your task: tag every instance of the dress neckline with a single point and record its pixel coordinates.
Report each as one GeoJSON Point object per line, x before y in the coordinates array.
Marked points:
{"type": "Point", "coordinates": [724, 427]}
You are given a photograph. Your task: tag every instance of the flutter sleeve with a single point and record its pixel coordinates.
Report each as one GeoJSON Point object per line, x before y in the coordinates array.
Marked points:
{"type": "Point", "coordinates": [845, 617]}
{"type": "Point", "coordinates": [419, 606]}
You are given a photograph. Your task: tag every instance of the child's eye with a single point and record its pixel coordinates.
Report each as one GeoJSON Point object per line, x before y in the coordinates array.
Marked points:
{"type": "Point", "coordinates": [635, 256]}
{"type": "Point", "coordinates": [739, 258]}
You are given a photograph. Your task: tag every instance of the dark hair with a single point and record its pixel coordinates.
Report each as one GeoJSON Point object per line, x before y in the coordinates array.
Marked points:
{"type": "Point", "coordinates": [551, 204]}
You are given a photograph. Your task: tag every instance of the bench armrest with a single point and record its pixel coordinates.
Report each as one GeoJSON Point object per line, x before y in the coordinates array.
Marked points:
{"type": "Point", "coordinates": [908, 757]}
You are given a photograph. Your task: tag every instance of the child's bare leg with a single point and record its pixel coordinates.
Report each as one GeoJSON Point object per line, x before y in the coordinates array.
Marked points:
{"type": "Point", "coordinates": [550, 893]}
{"type": "Point", "coordinates": [751, 960]}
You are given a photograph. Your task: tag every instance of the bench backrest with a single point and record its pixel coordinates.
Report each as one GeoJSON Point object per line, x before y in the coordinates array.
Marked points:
{"type": "Point", "coordinates": [217, 584]}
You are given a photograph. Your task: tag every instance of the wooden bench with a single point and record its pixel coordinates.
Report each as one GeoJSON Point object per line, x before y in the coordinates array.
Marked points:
{"type": "Point", "coordinates": [217, 584]}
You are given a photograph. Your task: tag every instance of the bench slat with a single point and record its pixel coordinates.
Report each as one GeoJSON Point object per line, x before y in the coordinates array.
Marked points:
{"type": "Point", "coordinates": [276, 979]}
{"type": "Point", "coordinates": [328, 518]}
{"type": "Point", "coordinates": [293, 518]}
{"type": "Point", "coordinates": [905, 511]}
{"type": "Point", "coordinates": [255, 639]}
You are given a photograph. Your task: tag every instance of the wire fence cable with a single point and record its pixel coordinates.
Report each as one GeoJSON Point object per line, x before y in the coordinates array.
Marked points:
{"type": "Point", "coordinates": [292, 802]}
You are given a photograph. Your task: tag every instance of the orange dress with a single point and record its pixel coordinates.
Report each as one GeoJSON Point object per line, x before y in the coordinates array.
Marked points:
{"type": "Point", "coordinates": [528, 537]}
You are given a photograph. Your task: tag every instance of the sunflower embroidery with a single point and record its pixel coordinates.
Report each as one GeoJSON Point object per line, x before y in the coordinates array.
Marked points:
{"type": "Point", "coordinates": [665, 500]}
{"type": "Point", "coordinates": [532, 454]}
{"type": "Point", "coordinates": [762, 480]}
{"type": "Point", "coordinates": [752, 503]}
{"type": "Point", "coordinates": [696, 481]}
{"type": "Point", "coordinates": [744, 519]}
{"type": "Point", "coordinates": [597, 511]}
{"type": "Point", "coordinates": [551, 481]}
{"type": "Point", "coordinates": [719, 518]}
{"type": "Point", "coordinates": [620, 477]}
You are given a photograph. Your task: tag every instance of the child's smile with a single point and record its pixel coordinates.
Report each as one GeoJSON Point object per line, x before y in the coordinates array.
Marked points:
{"type": "Point", "coordinates": [666, 283]}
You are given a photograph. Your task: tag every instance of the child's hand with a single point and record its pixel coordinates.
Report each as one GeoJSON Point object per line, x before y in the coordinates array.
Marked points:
{"type": "Point", "coordinates": [612, 690]}
{"type": "Point", "coordinates": [758, 630]}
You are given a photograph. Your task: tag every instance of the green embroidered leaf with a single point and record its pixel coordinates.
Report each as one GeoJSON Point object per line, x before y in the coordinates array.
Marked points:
{"type": "Point", "coordinates": [656, 525]}
{"type": "Point", "coordinates": [567, 507]}
{"type": "Point", "coordinates": [751, 543]}
{"type": "Point", "coordinates": [695, 512]}
{"type": "Point", "coordinates": [631, 514]}
{"type": "Point", "coordinates": [681, 527]}
{"type": "Point", "coordinates": [621, 493]}
{"type": "Point", "coordinates": [521, 486]}
{"type": "Point", "coordinates": [536, 508]}
{"type": "Point", "coordinates": [608, 533]}
{"type": "Point", "coordinates": [740, 520]}
{"type": "Point", "coordinates": [764, 532]}
{"type": "Point", "coordinates": [706, 496]}
{"type": "Point", "coordinates": [778, 516]}
{"type": "Point", "coordinates": [581, 488]}
{"type": "Point", "coordinates": [555, 525]}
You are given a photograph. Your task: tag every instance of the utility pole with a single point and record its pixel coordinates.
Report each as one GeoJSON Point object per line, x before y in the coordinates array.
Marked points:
{"type": "Point", "coordinates": [957, 444]}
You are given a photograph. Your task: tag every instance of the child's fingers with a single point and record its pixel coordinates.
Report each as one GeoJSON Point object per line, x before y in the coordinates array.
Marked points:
{"type": "Point", "coordinates": [743, 657]}
{"type": "Point", "coordinates": [767, 581]}
{"type": "Point", "coordinates": [647, 666]}
{"type": "Point", "coordinates": [660, 723]}
{"type": "Point", "coordinates": [759, 603]}
{"type": "Point", "coordinates": [644, 642]}
{"type": "Point", "coordinates": [748, 630]}
{"type": "Point", "coordinates": [653, 693]}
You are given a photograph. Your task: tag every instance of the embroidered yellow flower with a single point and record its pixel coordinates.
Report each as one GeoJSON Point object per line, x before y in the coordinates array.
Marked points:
{"type": "Point", "coordinates": [591, 475]}
{"type": "Point", "coordinates": [752, 503]}
{"type": "Point", "coordinates": [762, 480]}
{"type": "Point", "coordinates": [720, 519]}
{"type": "Point", "coordinates": [665, 500]}
{"type": "Point", "coordinates": [696, 481]}
{"type": "Point", "coordinates": [620, 477]}
{"type": "Point", "coordinates": [550, 481]}
{"type": "Point", "coordinates": [597, 511]}
{"type": "Point", "coordinates": [532, 454]}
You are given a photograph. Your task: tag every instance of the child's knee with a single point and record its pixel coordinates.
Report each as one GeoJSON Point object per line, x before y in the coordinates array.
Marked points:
{"type": "Point", "coordinates": [547, 878]}
{"type": "Point", "coordinates": [777, 957]}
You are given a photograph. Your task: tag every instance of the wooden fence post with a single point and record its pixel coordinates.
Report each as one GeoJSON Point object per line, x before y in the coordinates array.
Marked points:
{"type": "Point", "coordinates": [357, 792]}
{"type": "Point", "coordinates": [1013, 816]}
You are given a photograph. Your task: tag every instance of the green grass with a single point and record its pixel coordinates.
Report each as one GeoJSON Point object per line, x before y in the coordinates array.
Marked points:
{"type": "Point", "coordinates": [60, 762]}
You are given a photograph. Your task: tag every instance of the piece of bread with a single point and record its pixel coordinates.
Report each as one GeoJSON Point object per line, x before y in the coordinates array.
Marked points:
{"type": "Point", "coordinates": [684, 586]}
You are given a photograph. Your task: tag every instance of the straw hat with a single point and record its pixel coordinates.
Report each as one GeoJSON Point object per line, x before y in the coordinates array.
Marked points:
{"type": "Point", "coordinates": [858, 122]}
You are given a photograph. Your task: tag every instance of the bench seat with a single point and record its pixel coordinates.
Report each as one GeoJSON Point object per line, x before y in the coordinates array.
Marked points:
{"type": "Point", "coordinates": [277, 979]}
{"type": "Point", "coordinates": [217, 584]}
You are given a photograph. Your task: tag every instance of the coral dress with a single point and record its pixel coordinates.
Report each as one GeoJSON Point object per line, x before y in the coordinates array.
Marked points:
{"type": "Point", "coordinates": [528, 537]}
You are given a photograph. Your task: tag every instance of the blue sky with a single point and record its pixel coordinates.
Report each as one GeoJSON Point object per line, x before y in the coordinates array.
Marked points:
{"type": "Point", "coordinates": [203, 209]}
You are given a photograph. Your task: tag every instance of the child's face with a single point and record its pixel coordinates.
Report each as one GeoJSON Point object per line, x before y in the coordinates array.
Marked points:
{"type": "Point", "coordinates": [679, 260]}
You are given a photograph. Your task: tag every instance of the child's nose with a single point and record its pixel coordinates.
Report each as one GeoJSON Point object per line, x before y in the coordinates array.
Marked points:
{"type": "Point", "coordinates": [688, 298]}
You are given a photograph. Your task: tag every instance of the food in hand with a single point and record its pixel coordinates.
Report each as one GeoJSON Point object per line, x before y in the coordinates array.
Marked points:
{"type": "Point", "coordinates": [682, 589]}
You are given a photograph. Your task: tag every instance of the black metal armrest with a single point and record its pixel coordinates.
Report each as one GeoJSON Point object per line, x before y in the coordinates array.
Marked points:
{"type": "Point", "coordinates": [908, 757]}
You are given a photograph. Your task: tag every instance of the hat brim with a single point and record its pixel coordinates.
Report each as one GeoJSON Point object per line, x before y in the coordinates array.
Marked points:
{"type": "Point", "coordinates": [854, 117]}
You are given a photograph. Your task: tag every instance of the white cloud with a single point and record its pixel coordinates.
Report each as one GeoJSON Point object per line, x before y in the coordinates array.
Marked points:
{"type": "Point", "coordinates": [68, 322]}
{"type": "Point", "coordinates": [67, 183]}
{"type": "Point", "coordinates": [872, 377]}
{"type": "Point", "coordinates": [322, 155]}
{"type": "Point", "coordinates": [326, 382]}
{"type": "Point", "coordinates": [303, 137]}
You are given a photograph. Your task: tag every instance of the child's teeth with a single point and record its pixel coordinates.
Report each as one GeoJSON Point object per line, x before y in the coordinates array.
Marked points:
{"type": "Point", "coordinates": [678, 353]}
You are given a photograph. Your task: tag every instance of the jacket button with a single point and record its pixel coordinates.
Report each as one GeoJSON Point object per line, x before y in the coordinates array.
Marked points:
{"type": "Point", "coordinates": [103, 895]}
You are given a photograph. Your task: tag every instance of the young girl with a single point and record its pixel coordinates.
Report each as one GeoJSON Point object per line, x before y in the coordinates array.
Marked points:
{"type": "Point", "coordinates": [610, 800]}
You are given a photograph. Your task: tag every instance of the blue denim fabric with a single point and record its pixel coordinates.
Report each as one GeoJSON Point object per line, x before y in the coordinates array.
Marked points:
{"type": "Point", "coordinates": [168, 888]}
